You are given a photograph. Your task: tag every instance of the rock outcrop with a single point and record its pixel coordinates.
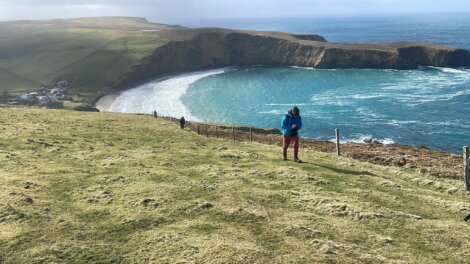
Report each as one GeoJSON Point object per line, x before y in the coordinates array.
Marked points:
{"type": "Point", "coordinates": [198, 49]}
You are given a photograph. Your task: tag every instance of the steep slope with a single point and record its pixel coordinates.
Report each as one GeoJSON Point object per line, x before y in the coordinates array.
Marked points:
{"type": "Point", "coordinates": [104, 187]}
{"type": "Point", "coordinates": [91, 52]}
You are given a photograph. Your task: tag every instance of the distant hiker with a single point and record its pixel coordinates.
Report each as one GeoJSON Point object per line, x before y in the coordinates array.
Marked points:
{"type": "Point", "coordinates": [291, 123]}
{"type": "Point", "coordinates": [155, 114]}
{"type": "Point", "coordinates": [182, 122]}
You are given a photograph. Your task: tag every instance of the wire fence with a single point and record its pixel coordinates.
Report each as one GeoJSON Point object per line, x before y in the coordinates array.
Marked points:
{"type": "Point", "coordinates": [229, 132]}
{"type": "Point", "coordinates": [369, 152]}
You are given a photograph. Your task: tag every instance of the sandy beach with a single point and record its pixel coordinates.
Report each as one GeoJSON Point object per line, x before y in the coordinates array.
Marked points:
{"type": "Point", "coordinates": [105, 102]}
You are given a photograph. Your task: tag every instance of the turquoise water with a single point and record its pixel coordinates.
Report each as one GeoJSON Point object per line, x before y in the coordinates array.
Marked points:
{"type": "Point", "coordinates": [430, 106]}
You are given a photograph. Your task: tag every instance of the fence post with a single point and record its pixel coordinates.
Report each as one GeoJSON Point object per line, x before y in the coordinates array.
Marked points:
{"type": "Point", "coordinates": [466, 155]}
{"type": "Point", "coordinates": [338, 151]}
{"type": "Point", "coordinates": [233, 133]}
{"type": "Point", "coordinates": [251, 134]}
{"type": "Point", "coordinates": [198, 129]}
{"type": "Point", "coordinates": [207, 131]}
{"type": "Point", "coordinates": [216, 132]}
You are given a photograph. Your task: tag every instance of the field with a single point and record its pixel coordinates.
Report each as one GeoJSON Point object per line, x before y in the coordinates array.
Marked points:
{"type": "Point", "coordinates": [93, 53]}
{"type": "Point", "coordinates": [114, 188]}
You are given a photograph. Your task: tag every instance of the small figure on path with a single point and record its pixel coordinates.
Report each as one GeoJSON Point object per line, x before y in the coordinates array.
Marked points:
{"type": "Point", "coordinates": [291, 123]}
{"type": "Point", "coordinates": [182, 122]}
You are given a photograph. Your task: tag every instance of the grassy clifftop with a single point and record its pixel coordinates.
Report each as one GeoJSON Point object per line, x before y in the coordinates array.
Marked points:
{"type": "Point", "coordinates": [106, 188]}
{"type": "Point", "coordinates": [91, 52]}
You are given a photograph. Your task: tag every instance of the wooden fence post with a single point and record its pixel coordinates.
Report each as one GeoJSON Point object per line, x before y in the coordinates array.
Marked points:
{"type": "Point", "coordinates": [198, 129]}
{"type": "Point", "coordinates": [466, 155]}
{"type": "Point", "coordinates": [338, 151]}
{"type": "Point", "coordinates": [233, 132]}
{"type": "Point", "coordinates": [207, 131]}
{"type": "Point", "coordinates": [251, 134]}
{"type": "Point", "coordinates": [216, 132]}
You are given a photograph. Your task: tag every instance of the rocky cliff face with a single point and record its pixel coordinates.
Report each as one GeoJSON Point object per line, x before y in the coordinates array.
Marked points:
{"type": "Point", "coordinates": [213, 48]}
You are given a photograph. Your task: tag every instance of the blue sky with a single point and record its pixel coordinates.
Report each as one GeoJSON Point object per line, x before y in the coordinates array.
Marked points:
{"type": "Point", "coordinates": [174, 10]}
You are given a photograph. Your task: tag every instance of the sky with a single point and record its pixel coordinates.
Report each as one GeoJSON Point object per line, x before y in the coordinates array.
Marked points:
{"type": "Point", "coordinates": [175, 10]}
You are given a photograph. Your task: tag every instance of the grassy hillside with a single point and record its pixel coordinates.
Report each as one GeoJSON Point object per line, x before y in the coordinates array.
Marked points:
{"type": "Point", "coordinates": [92, 52]}
{"type": "Point", "coordinates": [112, 188]}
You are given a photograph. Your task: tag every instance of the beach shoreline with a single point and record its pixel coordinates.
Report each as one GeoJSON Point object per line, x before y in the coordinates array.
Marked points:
{"type": "Point", "coordinates": [162, 95]}
{"type": "Point", "coordinates": [104, 103]}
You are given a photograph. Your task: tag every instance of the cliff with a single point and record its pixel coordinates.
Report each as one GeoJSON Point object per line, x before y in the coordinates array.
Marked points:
{"type": "Point", "coordinates": [197, 49]}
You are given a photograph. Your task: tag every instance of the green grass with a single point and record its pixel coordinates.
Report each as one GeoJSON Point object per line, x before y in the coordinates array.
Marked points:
{"type": "Point", "coordinates": [93, 53]}
{"type": "Point", "coordinates": [105, 188]}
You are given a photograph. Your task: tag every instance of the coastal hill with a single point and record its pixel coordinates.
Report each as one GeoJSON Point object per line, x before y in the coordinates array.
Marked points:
{"type": "Point", "coordinates": [102, 55]}
{"type": "Point", "coordinates": [196, 49]}
{"type": "Point", "coordinates": [123, 188]}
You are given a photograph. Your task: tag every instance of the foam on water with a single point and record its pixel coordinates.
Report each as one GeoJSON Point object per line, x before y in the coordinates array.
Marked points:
{"type": "Point", "coordinates": [364, 139]}
{"type": "Point", "coordinates": [448, 70]}
{"type": "Point", "coordinates": [272, 112]}
{"type": "Point", "coordinates": [161, 95]}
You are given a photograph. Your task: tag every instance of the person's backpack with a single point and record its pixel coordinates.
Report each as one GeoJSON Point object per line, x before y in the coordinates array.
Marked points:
{"type": "Point", "coordinates": [287, 118]}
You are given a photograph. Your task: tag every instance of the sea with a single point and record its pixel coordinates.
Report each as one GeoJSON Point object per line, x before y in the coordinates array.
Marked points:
{"type": "Point", "coordinates": [428, 106]}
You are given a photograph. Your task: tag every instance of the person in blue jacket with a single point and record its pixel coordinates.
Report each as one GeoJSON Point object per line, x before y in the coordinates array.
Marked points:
{"type": "Point", "coordinates": [291, 124]}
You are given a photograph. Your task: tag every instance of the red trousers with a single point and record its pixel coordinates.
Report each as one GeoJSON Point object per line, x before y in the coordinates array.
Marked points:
{"type": "Point", "coordinates": [286, 140]}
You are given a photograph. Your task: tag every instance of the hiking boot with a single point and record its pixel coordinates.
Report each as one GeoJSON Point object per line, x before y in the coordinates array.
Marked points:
{"type": "Point", "coordinates": [284, 159]}
{"type": "Point", "coordinates": [297, 160]}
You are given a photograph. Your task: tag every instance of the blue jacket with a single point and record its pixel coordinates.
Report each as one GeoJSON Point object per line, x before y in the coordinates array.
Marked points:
{"type": "Point", "coordinates": [287, 122]}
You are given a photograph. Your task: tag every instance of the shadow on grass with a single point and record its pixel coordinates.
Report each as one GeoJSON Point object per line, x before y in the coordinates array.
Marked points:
{"type": "Point", "coordinates": [343, 171]}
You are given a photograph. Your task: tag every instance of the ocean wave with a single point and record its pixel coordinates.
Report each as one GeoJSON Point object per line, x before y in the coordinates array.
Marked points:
{"type": "Point", "coordinates": [395, 122]}
{"type": "Point", "coordinates": [273, 112]}
{"type": "Point", "coordinates": [366, 112]}
{"type": "Point", "coordinates": [162, 95]}
{"type": "Point", "coordinates": [446, 70]}
{"type": "Point", "coordinates": [294, 104]}
{"type": "Point", "coordinates": [364, 139]}
{"type": "Point", "coordinates": [302, 68]}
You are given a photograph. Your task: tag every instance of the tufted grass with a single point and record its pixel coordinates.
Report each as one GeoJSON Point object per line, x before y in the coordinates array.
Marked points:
{"type": "Point", "coordinates": [114, 188]}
